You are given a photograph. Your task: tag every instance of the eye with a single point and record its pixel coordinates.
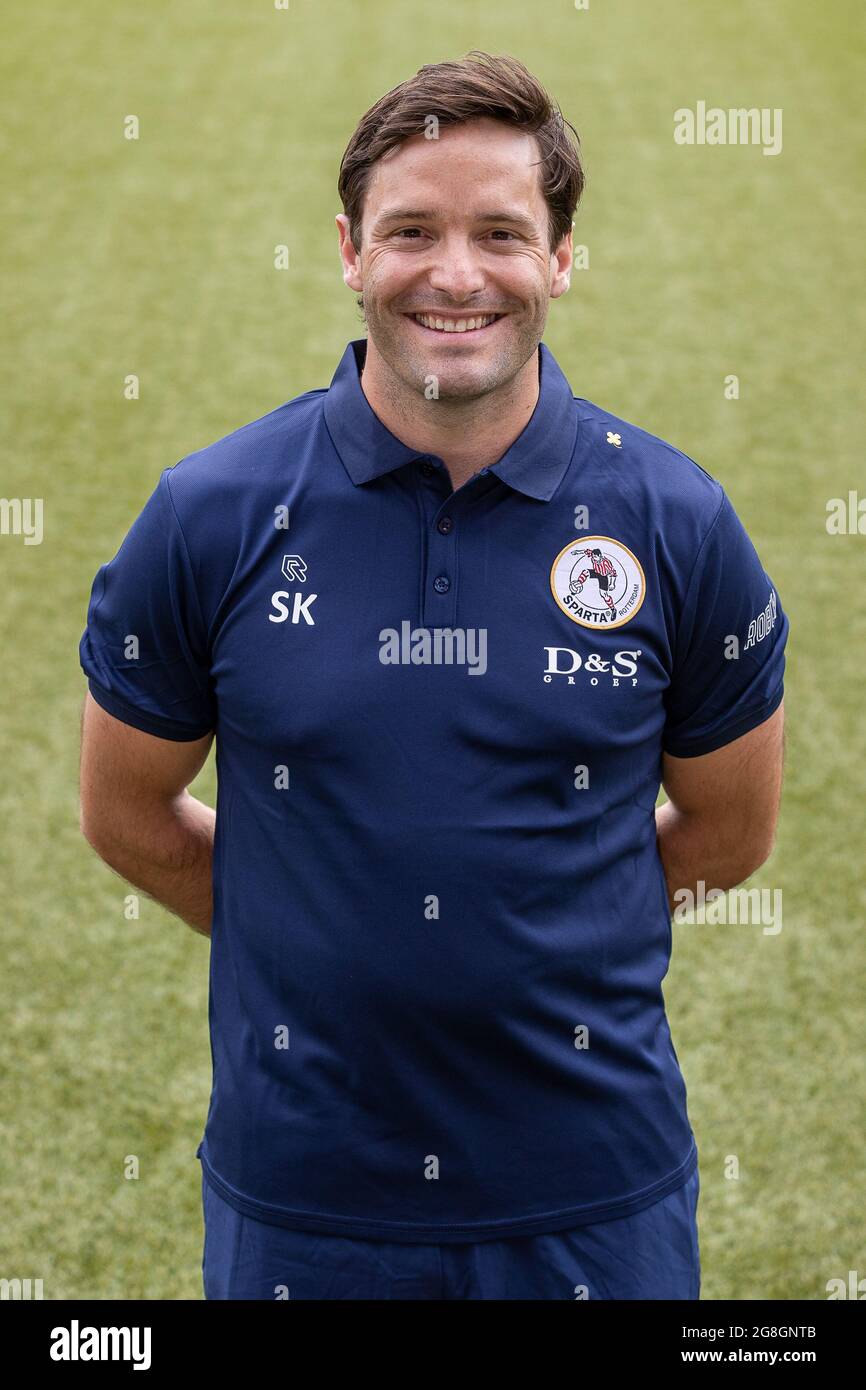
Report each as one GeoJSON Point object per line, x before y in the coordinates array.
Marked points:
{"type": "Point", "coordinates": [503, 232]}
{"type": "Point", "coordinates": [409, 233]}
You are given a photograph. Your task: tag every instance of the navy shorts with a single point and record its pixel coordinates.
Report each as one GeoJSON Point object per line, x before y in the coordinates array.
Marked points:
{"type": "Point", "coordinates": [651, 1255]}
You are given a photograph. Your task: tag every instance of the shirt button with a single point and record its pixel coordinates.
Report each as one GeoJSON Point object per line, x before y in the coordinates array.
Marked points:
{"type": "Point", "coordinates": [427, 470]}
{"type": "Point", "coordinates": [444, 525]}
{"type": "Point", "coordinates": [442, 583]}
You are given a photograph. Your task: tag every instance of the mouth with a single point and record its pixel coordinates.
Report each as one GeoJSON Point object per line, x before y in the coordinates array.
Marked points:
{"type": "Point", "coordinates": [465, 326]}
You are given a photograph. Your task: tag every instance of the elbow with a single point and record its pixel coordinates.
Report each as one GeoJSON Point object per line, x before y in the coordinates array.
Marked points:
{"type": "Point", "coordinates": [87, 823]}
{"type": "Point", "coordinates": [97, 831]}
{"type": "Point", "coordinates": [749, 855]}
{"type": "Point", "coordinates": [93, 835]}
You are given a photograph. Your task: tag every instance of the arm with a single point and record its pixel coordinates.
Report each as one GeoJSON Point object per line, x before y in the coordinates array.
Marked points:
{"type": "Point", "coordinates": [137, 814]}
{"type": "Point", "coordinates": [719, 823]}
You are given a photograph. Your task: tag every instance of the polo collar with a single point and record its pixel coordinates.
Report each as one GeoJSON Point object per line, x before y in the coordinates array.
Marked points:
{"type": "Point", "coordinates": [535, 464]}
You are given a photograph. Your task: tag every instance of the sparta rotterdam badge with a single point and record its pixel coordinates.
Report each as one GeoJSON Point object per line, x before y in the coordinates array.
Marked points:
{"type": "Point", "coordinates": [598, 582]}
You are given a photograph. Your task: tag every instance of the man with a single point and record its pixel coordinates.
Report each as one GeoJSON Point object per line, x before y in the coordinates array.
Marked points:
{"type": "Point", "coordinates": [437, 888]}
{"type": "Point", "coordinates": [602, 571]}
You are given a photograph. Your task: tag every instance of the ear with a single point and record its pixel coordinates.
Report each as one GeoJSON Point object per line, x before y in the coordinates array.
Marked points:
{"type": "Point", "coordinates": [349, 256]}
{"type": "Point", "coordinates": [561, 261]}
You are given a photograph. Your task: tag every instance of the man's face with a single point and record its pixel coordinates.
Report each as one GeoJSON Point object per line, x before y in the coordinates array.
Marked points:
{"type": "Point", "coordinates": [456, 230]}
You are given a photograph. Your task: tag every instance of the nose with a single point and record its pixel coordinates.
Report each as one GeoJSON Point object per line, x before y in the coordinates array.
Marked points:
{"type": "Point", "coordinates": [456, 269]}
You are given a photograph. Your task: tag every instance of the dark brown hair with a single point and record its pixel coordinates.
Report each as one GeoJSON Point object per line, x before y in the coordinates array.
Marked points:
{"type": "Point", "coordinates": [456, 92]}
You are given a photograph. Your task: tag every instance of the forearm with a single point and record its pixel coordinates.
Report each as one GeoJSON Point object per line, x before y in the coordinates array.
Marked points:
{"type": "Point", "coordinates": [166, 850]}
{"type": "Point", "coordinates": [695, 849]}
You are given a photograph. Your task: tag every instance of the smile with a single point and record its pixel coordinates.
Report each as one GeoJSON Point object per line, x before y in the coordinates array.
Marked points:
{"type": "Point", "coordinates": [440, 324]}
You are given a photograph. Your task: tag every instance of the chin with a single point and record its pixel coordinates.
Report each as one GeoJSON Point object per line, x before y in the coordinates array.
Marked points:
{"type": "Point", "coordinates": [460, 375]}
{"type": "Point", "coordinates": [470, 380]}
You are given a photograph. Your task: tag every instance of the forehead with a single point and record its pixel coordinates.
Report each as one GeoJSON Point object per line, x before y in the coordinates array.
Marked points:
{"type": "Point", "coordinates": [467, 163]}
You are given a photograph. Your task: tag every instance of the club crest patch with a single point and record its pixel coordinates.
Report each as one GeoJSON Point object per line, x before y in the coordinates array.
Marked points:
{"type": "Point", "coordinates": [598, 582]}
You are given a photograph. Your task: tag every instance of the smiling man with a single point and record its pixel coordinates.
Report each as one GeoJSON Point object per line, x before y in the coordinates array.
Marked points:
{"type": "Point", "coordinates": [457, 250]}
{"type": "Point", "coordinates": [440, 907]}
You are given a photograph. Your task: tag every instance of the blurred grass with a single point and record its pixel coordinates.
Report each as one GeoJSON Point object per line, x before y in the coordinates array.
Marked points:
{"type": "Point", "coordinates": [156, 257]}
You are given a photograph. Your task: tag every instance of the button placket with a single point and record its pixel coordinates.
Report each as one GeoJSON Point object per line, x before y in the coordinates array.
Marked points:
{"type": "Point", "coordinates": [439, 597]}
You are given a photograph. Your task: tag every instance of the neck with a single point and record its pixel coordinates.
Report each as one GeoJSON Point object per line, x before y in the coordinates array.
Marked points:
{"type": "Point", "coordinates": [467, 434]}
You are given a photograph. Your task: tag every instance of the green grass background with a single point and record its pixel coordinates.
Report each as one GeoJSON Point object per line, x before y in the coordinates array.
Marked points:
{"type": "Point", "coordinates": [156, 257]}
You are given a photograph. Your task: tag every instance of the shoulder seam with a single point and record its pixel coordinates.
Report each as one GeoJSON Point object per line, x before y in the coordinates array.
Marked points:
{"type": "Point", "coordinates": [165, 476]}
{"type": "Point", "coordinates": [703, 544]}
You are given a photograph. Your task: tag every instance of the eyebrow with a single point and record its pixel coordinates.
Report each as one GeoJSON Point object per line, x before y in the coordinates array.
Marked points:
{"type": "Point", "coordinates": [518, 219]}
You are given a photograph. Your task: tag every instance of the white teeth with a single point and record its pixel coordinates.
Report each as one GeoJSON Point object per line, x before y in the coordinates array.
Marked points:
{"type": "Point", "coordinates": [455, 325]}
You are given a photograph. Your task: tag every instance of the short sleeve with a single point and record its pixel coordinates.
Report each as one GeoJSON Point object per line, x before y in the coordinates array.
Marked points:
{"type": "Point", "coordinates": [730, 647]}
{"type": "Point", "coordinates": [144, 649]}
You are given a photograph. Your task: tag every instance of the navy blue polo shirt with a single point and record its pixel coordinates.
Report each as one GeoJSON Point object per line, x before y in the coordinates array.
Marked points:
{"type": "Point", "coordinates": [440, 920]}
